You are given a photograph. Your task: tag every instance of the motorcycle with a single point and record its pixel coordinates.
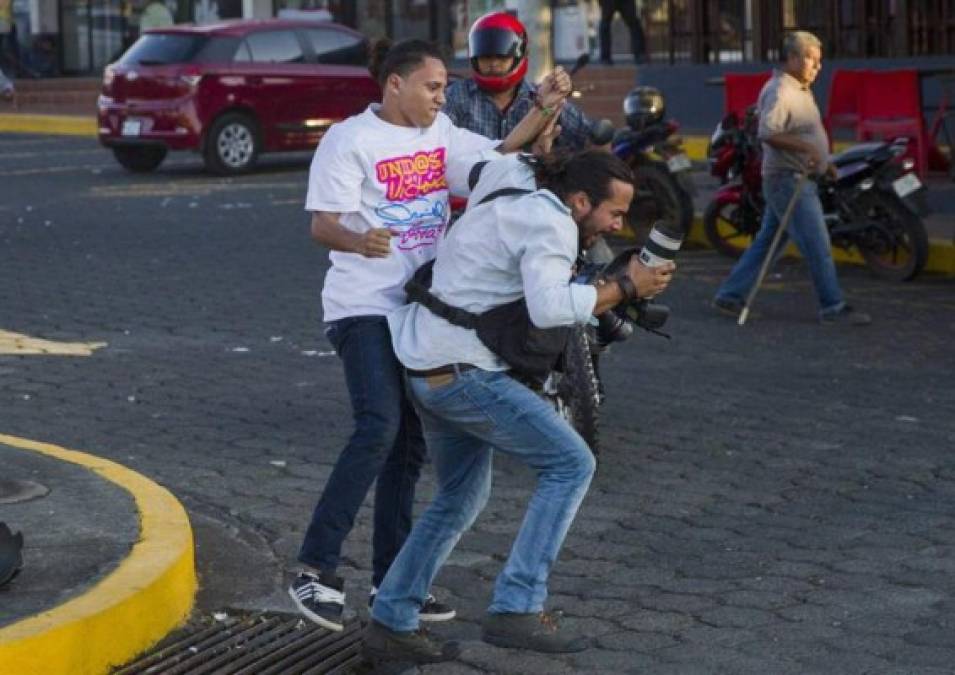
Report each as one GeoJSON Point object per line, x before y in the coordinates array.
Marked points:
{"type": "Point", "coordinates": [735, 212]}
{"type": "Point", "coordinates": [575, 387]}
{"type": "Point", "coordinates": [663, 185]}
{"type": "Point", "coordinates": [873, 204]}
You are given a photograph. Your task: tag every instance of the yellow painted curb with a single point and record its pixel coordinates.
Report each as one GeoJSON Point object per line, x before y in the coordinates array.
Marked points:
{"type": "Point", "coordinates": [141, 601]}
{"type": "Point", "coordinates": [18, 344]}
{"type": "Point", "coordinates": [60, 125]}
{"type": "Point", "coordinates": [941, 255]}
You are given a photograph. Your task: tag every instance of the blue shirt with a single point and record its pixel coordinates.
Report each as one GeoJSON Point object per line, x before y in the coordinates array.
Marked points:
{"type": "Point", "coordinates": [470, 108]}
{"type": "Point", "coordinates": [497, 252]}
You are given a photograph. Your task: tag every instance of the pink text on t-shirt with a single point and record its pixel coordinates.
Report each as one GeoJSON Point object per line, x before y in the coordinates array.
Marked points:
{"type": "Point", "coordinates": [410, 176]}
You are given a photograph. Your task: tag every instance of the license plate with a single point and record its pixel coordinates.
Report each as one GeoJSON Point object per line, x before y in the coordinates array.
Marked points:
{"type": "Point", "coordinates": [906, 185]}
{"type": "Point", "coordinates": [132, 127]}
{"type": "Point", "coordinates": [679, 163]}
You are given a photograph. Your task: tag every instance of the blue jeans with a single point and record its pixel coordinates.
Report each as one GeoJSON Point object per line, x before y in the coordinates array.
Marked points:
{"type": "Point", "coordinates": [386, 444]}
{"type": "Point", "coordinates": [463, 421]}
{"type": "Point", "coordinates": [807, 228]}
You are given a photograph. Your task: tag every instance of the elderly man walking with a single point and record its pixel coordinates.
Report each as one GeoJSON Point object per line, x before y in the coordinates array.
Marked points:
{"type": "Point", "coordinates": [794, 143]}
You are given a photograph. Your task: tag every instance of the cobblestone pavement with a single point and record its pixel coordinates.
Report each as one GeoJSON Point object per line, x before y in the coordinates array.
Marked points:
{"type": "Point", "coordinates": [773, 498]}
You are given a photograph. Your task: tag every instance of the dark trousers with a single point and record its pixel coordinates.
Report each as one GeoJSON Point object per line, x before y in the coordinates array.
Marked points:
{"type": "Point", "coordinates": [628, 12]}
{"type": "Point", "coordinates": [386, 444]}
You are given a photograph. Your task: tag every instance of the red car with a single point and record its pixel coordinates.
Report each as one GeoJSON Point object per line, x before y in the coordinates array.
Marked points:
{"type": "Point", "coordinates": [231, 91]}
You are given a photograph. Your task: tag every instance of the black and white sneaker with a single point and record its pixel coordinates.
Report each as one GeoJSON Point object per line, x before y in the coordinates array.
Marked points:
{"type": "Point", "coordinates": [322, 600]}
{"type": "Point", "coordinates": [431, 610]}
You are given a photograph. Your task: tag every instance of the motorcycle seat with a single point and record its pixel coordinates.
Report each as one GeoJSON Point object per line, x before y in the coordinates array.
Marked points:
{"type": "Point", "coordinates": [862, 153]}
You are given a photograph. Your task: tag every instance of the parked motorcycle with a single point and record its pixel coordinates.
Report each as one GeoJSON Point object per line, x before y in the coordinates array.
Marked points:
{"type": "Point", "coordinates": [874, 204]}
{"type": "Point", "coordinates": [733, 216]}
{"type": "Point", "coordinates": [663, 186]}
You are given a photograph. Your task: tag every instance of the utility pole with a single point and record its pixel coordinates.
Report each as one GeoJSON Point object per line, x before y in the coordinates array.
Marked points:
{"type": "Point", "coordinates": [537, 17]}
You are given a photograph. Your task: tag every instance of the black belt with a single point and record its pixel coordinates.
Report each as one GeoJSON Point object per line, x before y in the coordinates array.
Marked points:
{"type": "Point", "coordinates": [450, 369]}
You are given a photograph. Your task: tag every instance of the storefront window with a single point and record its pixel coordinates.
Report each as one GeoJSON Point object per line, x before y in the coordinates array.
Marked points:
{"type": "Point", "coordinates": [96, 32]}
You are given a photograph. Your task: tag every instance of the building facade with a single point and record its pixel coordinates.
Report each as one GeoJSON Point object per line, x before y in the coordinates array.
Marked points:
{"type": "Point", "coordinates": [40, 38]}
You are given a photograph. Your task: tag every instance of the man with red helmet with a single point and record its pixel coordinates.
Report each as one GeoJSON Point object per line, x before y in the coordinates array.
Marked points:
{"type": "Point", "coordinates": [497, 97]}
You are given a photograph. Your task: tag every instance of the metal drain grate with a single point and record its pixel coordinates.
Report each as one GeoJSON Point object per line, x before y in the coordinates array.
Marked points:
{"type": "Point", "coordinates": [261, 644]}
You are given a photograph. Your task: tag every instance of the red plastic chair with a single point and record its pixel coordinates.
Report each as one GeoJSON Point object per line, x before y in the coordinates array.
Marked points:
{"type": "Point", "coordinates": [741, 91]}
{"type": "Point", "coordinates": [890, 105]}
{"type": "Point", "coordinates": [842, 106]}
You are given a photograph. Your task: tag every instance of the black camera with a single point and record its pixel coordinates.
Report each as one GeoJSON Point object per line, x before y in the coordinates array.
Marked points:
{"type": "Point", "coordinates": [661, 246]}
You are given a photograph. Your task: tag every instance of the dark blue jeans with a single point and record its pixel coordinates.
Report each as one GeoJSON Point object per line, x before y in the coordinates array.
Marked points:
{"type": "Point", "coordinates": [386, 444]}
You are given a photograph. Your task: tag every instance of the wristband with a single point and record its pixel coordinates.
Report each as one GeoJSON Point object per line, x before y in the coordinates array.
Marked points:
{"type": "Point", "coordinates": [546, 111]}
{"type": "Point", "coordinates": [628, 287]}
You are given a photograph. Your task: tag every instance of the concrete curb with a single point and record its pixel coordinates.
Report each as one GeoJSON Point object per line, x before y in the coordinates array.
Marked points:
{"type": "Point", "coordinates": [140, 602]}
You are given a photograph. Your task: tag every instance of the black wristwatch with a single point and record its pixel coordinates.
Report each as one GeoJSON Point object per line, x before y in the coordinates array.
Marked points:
{"type": "Point", "coordinates": [628, 287]}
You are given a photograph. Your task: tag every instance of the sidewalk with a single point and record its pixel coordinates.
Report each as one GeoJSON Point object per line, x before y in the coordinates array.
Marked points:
{"type": "Point", "coordinates": [108, 562]}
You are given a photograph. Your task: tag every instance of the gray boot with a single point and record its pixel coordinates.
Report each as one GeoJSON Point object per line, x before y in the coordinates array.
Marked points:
{"type": "Point", "coordinates": [537, 631]}
{"type": "Point", "coordinates": [380, 643]}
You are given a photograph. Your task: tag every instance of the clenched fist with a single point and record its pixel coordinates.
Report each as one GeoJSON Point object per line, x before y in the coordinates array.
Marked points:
{"type": "Point", "coordinates": [375, 243]}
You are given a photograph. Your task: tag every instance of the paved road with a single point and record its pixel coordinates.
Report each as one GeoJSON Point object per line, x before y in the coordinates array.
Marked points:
{"type": "Point", "coordinates": [775, 498]}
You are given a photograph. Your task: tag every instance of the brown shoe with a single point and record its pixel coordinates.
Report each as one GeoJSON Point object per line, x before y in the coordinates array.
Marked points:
{"type": "Point", "coordinates": [380, 643]}
{"type": "Point", "coordinates": [537, 631]}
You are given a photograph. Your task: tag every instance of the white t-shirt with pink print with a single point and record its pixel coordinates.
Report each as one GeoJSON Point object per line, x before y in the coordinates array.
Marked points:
{"type": "Point", "coordinates": [376, 174]}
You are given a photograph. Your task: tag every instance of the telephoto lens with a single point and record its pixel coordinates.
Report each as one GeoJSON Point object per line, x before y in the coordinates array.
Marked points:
{"type": "Point", "coordinates": [662, 244]}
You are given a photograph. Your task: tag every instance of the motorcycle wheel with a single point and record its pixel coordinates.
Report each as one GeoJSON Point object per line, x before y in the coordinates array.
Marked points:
{"type": "Point", "coordinates": [724, 225]}
{"type": "Point", "coordinates": [578, 393]}
{"type": "Point", "coordinates": [899, 252]}
{"type": "Point", "coordinates": [657, 196]}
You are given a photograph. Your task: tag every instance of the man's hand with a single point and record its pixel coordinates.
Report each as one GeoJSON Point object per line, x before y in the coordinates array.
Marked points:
{"type": "Point", "coordinates": [375, 243]}
{"type": "Point", "coordinates": [818, 162]}
{"type": "Point", "coordinates": [554, 88]}
{"type": "Point", "coordinates": [650, 281]}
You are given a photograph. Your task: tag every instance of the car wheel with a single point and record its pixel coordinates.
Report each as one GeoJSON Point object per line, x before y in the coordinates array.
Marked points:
{"type": "Point", "coordinates": [232, 145]}
{"type": "Point", "coordinates": [139, 158]}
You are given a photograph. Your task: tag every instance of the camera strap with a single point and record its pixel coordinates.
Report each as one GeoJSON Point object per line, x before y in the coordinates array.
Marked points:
{"type": "Point", "coordinates": [418, 287]}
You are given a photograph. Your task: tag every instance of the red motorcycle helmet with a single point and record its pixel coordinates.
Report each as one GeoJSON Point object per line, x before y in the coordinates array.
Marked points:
{"type": "Point", "coordinates": [498, 34]}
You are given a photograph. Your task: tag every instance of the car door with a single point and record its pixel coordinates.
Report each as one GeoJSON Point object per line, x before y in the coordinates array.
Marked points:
{"type": "Point", "coordinates": [339, 84]}
{"type": "Point", "coordinates": [269, 67]}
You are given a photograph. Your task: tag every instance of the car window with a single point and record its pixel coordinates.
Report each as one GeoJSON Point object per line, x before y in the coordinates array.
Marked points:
{"type": "Point", "coordinates": [243, 54]}
{"type": "Point", "coordinates": [156, 49]}
{"type": "Point", "coordinates": [277, 46]}
{"type": "Point", "coordinates": [336, 46]}
{"type": "Point", "coordinates": [218, 49]}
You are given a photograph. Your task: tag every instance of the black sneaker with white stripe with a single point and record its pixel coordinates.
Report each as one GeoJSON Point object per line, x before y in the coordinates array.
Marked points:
{"type": "Point", "coordinates": [431, 610]}
{"type": "Point", "coordinates": [321, 599]}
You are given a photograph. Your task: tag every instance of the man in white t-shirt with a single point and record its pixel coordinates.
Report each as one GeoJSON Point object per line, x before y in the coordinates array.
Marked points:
{"type": "Point", "coordinates": [378, 193]}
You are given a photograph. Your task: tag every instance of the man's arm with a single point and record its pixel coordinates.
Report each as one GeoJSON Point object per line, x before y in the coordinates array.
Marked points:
{"type": "Point", "coordinates": [551, 94]}
{"type": "Point", "coordinates": [328, 231]}
{"type": "Point", "coordinates": [575, 127]}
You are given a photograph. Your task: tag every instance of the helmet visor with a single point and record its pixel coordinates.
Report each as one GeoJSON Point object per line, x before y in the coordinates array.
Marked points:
{"type": "Point", "coordinates": [644, 102]}
{"type": "Point", "coordinates": [494, 42]}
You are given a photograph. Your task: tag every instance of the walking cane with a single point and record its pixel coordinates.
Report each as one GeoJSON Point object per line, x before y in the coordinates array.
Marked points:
{"type": "Point", "coordinates": [771, 254]}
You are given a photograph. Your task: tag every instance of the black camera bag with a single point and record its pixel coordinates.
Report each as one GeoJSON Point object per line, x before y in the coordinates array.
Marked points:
{"type": "Point", "coordinates": [507, 330]}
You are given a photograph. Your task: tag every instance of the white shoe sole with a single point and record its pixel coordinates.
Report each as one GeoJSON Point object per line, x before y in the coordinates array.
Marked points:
{"type": "Point", "coordinates": [446, 616]}
{"type": "Point", "coordinates": [313, 617]}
